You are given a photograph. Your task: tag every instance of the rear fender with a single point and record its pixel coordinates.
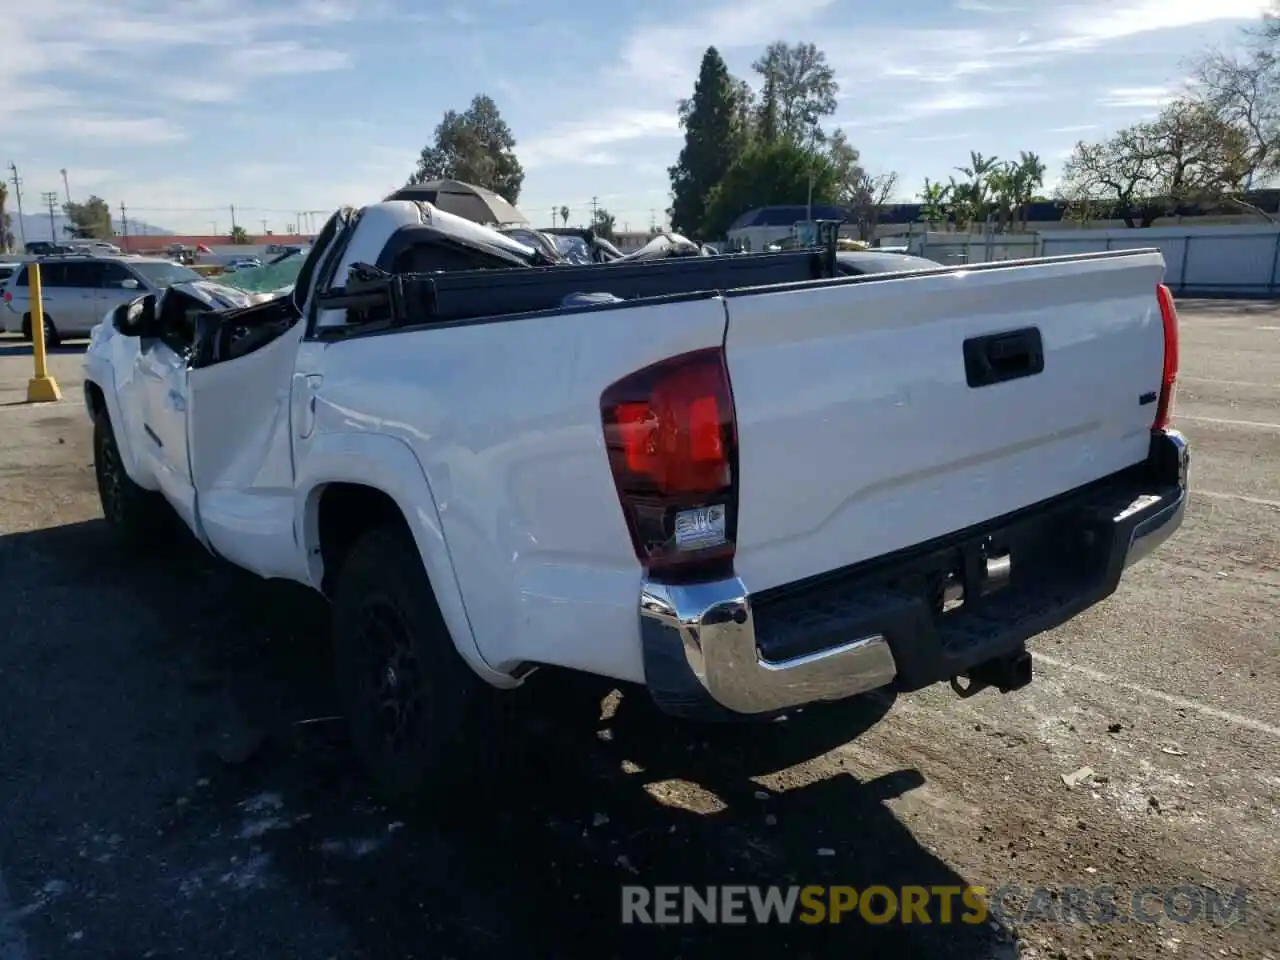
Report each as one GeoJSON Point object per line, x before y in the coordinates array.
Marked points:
{"type": "Point", "coordinates": [390, 466]}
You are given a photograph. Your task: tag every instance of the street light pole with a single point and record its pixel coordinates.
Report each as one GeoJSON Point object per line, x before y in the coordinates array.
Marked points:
{"type": "Point", "coordinates": [813, 140]}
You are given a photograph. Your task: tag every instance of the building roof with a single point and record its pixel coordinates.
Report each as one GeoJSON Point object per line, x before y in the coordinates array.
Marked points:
{"type": "Point", "coordinates": [786, 215]}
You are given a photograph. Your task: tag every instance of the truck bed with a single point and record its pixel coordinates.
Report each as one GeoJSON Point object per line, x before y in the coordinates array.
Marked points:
{"type": "Point", "coordinates": [858, 430]}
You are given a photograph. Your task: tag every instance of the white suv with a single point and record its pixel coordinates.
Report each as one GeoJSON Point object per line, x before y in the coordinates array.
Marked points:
{"type": "Point", "coordinates": [78, 290]}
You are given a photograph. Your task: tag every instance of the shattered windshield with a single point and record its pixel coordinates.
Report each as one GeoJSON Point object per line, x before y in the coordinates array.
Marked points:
{"type": "Point", "coordinates": [573, 249]}
{"type": "Point", "coordinates": [277, 277]}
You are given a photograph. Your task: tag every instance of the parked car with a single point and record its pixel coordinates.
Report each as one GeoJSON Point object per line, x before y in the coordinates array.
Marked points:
{"type": "Point", "coordinates": [7, 270]}
{"type": "Point", "coordinates": [45, 248]}
{"type": "Point", "coordinates": [746, 482]}
{"type": "Point", "coordinates": [241, 263]}
{"type": "Point", "coordinates": [78, 289]}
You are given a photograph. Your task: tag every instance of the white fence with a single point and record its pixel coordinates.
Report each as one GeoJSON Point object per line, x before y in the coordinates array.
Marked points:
{"type": "Point", "coordinates": [1236, 260]}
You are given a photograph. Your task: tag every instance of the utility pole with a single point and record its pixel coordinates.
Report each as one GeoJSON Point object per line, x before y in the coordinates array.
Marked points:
{"type": "Point", "coordinates": [264, 226]}
{"type": "Point", "coordinates": [213, 228]}
{"type": "Point", "coordinates": [124, 225]}
{"type": "Point", "coordinates": [593, 211]}
{"type": "Point", "coordinates": [553, 216]}
{"type": "Point", "coordinates": [310, 225]}
{"type": "Point", "coordinates": [233, 218]}
{"type": "Point", "coordinates": [51, 198]}
{"type": "Point", "coordinates": [653, 222]}
{"type": "Point", "coordinates": [17, 193]}
{"type": "Point", "coordinates": [66, 187]}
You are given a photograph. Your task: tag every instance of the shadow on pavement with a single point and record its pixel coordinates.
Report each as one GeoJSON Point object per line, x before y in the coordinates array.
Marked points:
{"type": "Point", "coordinates": [157, 665]}
{"type": "Point", "coordinates": [21, 348]}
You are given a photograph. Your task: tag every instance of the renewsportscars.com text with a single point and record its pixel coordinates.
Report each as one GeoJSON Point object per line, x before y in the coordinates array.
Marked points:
{"type": "Point", "coordinates": [817, 904]}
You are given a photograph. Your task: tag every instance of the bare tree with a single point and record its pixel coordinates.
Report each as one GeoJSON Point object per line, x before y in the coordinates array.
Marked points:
{"type": "Point", "coordinates": [1243, 89]}
{"type": "Point", "coordinates": [866, 196]}
{"type": "Point", "coordinates": [1189, 154]}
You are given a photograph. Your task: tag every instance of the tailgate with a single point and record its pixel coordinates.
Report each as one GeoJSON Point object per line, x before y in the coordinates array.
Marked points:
{"type": "Point", "coordinates": [859, 430]}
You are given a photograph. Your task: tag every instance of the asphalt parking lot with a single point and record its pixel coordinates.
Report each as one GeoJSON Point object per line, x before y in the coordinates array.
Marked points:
{"type": "Point", "coordinates": [174, 781]}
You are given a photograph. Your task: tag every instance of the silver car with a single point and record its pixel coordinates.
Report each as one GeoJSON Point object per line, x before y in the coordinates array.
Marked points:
{"type": "Point", "coordinates": [78, 289]}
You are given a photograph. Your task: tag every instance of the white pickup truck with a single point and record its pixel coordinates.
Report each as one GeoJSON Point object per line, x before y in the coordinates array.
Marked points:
{"type": "Point", "coordinates": [747, 482]}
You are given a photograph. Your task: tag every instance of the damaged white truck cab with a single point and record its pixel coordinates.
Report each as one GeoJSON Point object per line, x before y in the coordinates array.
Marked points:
{"type": "Point", "coordinates": [745, 482]}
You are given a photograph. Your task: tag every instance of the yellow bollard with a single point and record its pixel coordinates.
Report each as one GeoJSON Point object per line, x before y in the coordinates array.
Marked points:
{"type": "Point", "coordinates": [42, 388]}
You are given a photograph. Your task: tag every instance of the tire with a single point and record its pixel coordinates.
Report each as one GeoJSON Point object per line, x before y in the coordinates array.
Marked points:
{"type": "Point", "coordinates": [51, 336]}
{"type": "Point", "coordinates": [138, 517]}
{"type": "Point", "coordinates": [421, 721]}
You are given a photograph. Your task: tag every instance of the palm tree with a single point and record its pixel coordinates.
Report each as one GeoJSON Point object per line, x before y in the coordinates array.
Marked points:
{"type": "Point", "coordinates": [564, 216]}
{"type": "Point", "coordinates": [977, 171]}
{"type": "Point", "coordinates": [933, 201]}
{"type": "Point", "coordinates": [1005, 188]}
{"type": "Point", "coordinates": [1030, 178]}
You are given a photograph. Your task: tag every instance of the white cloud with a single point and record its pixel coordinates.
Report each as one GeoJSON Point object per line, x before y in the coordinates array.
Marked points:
{"type": "Point", "coordinates": [662, 57]}
{"type": "Point", "coordinates": [570, 142]}
{"type": "Point", "coordinates": [941, 138]}
{"type": "Point", "coordinates": [284, 57]}
{"type": "Point", "coordinates": [981, 6]}
{"type": "Point", "coordinates": [1136, 97]}
{"type": "Point", "coordinates": [120, 130]}
{"type": "Point", "coordinates": [1102, 22]}
{"type": "Point", "coordinates": [57, 52]}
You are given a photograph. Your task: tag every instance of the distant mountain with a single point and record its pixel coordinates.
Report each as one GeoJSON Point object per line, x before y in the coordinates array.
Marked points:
{"type": "Point", "coordinates": [36, 226]}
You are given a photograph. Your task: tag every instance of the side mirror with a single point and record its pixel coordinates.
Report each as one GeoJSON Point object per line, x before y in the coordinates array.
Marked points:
{"type": "Point", "coordinates": [137, 318]}
{"type": "Point", "coordinates": [129, 284]}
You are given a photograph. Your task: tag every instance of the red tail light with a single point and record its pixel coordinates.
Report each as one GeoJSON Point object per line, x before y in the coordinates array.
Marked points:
{"type": "Point", "coordinates": [8, 297]}
{"type": "Point", "coordinates": [1169, 380]}
{"type": "Point", "coordinates": [671, 437]}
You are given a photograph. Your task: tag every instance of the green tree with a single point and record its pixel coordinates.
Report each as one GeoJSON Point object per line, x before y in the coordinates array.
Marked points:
{"type": "Point", "coordinates": [798, 89]}
{"type": "Point", "coordinates": [845, 158]}
{"type": "Point", "coordinates": [476, 147]}
{"type": "Point", "coordinates": [1028, 179]}
{"type": "Point", "coordinates": [765, 174]}
{"type": "Point", "coordinates": [90, 220]}
{"type": "Point", "coordinates": [974, 194]}
{"type": "Point", "coordinates": [603, 223]}
{"type": "Point", "coordinates": [239, 235]}
{"type": "Point", "coordinates": [713, 136]}
{"type": "Point", "coordinates": [935, 202]}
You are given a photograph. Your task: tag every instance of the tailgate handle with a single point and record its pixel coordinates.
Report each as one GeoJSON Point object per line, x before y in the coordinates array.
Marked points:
{"type": "Point", "coordinates": [998, 357]}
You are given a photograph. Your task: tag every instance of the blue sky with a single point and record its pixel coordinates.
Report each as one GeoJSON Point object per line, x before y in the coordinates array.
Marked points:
{"type": "Point", "coordinates": [181, 108]}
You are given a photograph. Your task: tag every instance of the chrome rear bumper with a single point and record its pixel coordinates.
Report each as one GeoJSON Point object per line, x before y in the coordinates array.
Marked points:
{"type": "Point", "coordinates": [703, 645]}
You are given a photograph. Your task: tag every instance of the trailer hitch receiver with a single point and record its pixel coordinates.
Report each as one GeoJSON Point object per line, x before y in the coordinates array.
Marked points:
{"type": "Point", "coordinates": [1007, 673]}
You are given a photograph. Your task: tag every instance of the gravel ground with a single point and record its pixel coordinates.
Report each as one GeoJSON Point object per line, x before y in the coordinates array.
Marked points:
{"type": "Point", "coordinates": [173, 782]}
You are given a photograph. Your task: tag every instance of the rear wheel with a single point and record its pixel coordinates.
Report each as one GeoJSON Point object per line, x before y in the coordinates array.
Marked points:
{"type": "Point", "coordinates": [51, 338]}
{"type": "Point", "coordinates": [136, 515]}
{"type": "Point", "coordinates": [421, 720]}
